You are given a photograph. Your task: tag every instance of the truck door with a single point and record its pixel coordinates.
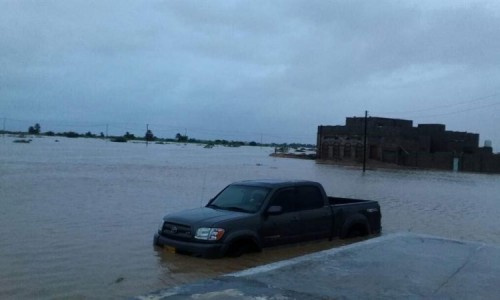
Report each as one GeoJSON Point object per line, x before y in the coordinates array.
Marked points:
{"type": "Point", "coordinates": [284, 227]}
{"type": "Point", "coordinates": [315, 215]}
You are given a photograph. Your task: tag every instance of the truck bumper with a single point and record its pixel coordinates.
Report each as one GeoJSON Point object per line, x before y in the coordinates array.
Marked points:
{"type": "Point", "coordinates": [200, 249]}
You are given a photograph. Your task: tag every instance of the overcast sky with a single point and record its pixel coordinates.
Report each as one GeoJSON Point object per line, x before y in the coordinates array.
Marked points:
{"type": "Point", "coordinates": [247, 70]}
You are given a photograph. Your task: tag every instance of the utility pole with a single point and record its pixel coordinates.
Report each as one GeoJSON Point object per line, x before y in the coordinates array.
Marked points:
{"type": "Point", "coordinates": [364, 143]}
{"type": "Point", "coordinates": [147, 130]}
{"type": "Point", "coordinates": [106, 131]}
{"type": "Point", "coordinates": [3, 128]}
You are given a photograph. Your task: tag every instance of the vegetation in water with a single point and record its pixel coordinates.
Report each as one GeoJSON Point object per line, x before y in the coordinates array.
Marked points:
{"type": "Point", "coordinates": [150, 137]}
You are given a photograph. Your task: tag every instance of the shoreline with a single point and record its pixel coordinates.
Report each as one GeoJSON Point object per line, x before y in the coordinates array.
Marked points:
{"type": "Point", "coordinates": [370, 164]}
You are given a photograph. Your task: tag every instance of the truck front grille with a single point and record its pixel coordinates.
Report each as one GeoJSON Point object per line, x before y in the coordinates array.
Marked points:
{"type": "Point", "coordinates": [176, 231]}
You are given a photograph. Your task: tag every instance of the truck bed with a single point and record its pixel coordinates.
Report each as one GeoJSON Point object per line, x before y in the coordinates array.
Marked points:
{"type": "Point", "coordinates": [347, 208]}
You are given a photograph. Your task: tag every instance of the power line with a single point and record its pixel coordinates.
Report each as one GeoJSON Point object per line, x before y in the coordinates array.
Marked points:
{"type": "Point", "coordinates": [459, 111]}
{"type": "Point", "coordinates": [449, 105]}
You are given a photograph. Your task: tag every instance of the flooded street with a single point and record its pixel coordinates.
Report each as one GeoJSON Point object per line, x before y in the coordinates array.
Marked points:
{"type": "Point", "coordinates": [77, 217]}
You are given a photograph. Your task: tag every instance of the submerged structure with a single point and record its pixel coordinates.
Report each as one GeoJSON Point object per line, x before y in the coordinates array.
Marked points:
{"type": "Point", "coordinates": [397, 141]}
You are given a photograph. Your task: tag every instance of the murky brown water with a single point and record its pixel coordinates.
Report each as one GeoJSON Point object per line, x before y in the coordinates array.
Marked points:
{"type": "Point", "coordinates": [77, 217]}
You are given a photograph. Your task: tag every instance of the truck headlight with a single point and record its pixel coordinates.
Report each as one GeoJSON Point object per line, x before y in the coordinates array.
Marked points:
{"type": "Point", "coordinates": [209, 234]}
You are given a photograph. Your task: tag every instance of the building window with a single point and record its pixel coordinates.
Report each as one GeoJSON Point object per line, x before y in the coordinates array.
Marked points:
{"type": "Point", "coordinates": [336, 150]}
{"type": "Point", "coordinates": [359, 150]}
{"type": "Point", "coordinates": [347, 150]}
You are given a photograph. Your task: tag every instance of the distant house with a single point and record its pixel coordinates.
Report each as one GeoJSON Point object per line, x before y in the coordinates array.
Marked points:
{"type": "Point", "coordinates": [397, 141]}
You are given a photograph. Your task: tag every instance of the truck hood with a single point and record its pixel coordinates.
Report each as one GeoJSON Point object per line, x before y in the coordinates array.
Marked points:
{"type": "Point", "coordinates": [203, 216]}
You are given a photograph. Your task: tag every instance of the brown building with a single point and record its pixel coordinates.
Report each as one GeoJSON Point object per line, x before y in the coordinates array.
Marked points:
{"type": "Point", "coordinates": [398, 141]}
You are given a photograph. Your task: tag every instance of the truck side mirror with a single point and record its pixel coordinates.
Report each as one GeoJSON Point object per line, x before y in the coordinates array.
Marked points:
{"type": "Point", "coordinates": [275, 210]}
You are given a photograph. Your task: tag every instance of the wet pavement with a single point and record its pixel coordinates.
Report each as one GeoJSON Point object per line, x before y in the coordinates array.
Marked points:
{"type": "Point", "coordinates": [394, 266]}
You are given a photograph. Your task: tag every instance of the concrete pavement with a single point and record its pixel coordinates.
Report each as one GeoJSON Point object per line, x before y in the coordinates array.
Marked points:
{"type": "Point", "coordinates": [394, 266]}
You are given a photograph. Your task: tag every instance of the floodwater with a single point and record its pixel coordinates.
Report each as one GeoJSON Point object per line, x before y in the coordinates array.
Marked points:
{"type": "Point", "coordinates": [77, 216]}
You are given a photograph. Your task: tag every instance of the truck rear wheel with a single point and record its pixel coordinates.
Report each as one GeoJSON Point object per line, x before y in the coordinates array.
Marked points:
{"type": "Point", "coordinates": [357, 230]}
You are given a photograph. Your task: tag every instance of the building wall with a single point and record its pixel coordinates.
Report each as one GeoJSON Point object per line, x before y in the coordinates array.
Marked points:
{"type": "Point", "coordinates": [386, 139]}
{"type": "Point", "coordinates": [480, 162]}
{"type": "Point", "coordinates": [397, 141]}
{"type": "Point", "coordinates": [426, 160]}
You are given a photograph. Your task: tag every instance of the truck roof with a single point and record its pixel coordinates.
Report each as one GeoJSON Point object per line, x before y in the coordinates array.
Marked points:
{"type": "Point", "coordinates": [274, 183]}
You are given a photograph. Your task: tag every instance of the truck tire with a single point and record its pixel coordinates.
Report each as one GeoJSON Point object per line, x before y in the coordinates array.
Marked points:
{"type": "Point", "coordinates": [357, 230]}
{"type": "Point", "coordinates": [355, 226]}
{"type": "Point", "coordinates": [240, 247]}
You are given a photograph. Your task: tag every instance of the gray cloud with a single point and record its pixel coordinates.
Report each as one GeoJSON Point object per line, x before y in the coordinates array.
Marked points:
{"type": "Point", "coordinates": [245, 68]}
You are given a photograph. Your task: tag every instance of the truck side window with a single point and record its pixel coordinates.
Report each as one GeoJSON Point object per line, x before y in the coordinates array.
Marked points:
{"type": "Point", "coordinates": [309, 197]}
{"type": "Point", "coordinates": [286, 199]}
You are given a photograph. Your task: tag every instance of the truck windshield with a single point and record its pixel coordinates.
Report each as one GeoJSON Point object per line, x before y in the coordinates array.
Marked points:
{"type": "Point", "coordinates": [240, 198]}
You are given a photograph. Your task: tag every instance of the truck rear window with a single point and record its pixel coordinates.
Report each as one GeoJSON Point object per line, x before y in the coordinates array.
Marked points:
{"type": "Point", "coordinates": [299, 198]}
{"type": "Point", "coordinates": [309, 197]}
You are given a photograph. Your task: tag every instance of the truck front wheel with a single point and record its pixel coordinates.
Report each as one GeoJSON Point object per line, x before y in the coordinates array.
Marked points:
{"type": "Point", "coordinates": [240, 247]}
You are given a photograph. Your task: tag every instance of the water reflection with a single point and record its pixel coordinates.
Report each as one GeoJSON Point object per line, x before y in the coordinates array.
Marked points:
{"type": "Point", "coordinates": [180, 269]}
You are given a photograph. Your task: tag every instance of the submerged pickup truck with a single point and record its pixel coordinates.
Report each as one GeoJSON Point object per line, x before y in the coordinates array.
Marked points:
{"type": "Point", "coordinates": [249, 215]}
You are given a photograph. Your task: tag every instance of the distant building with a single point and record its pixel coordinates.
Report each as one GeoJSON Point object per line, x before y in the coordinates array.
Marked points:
{"type": "Point", "coordinates": [397, 141]}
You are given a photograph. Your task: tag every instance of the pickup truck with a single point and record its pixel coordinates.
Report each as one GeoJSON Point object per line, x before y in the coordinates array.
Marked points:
{"type": "Point", "coordinates": [249, 215]}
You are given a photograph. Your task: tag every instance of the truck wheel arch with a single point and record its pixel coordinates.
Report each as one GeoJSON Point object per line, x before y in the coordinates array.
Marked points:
{"type": "Point", "coordinates": [355, 223]}
{"type": "Point", "coordinates": [239, 244]}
